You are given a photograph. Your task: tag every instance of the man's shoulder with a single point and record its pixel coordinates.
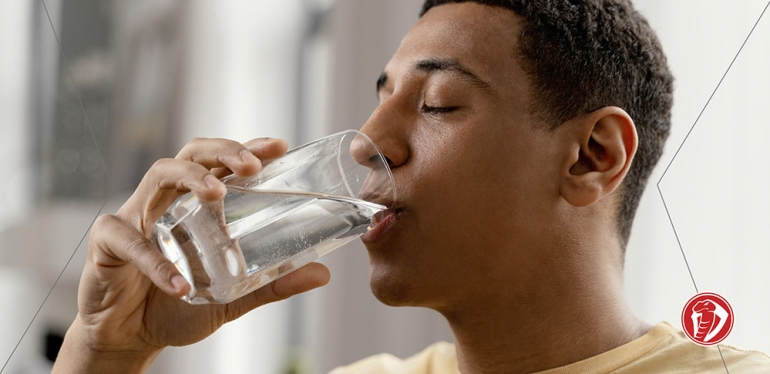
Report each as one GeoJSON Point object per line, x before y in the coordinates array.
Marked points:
{"type": "Point", "coordinates": [665, 349]}
{"type": "Point", "coordinates": [437, 358]}
{"type": "Point", "coordinates": [676, 353]}
{"type": "Point", "coordinates": [745, 361]}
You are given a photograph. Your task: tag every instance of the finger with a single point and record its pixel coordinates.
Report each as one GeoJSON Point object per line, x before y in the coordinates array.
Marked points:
{"type": "Point", "coordinates": [262, 148]}
{"type": "Point", "coordinates": [267, 148]}
{"type": "Point", "coordinates": [166, 180]}
{"type": "Point", "coordinates": [221, 153]}
{"type": "Point", "coordinates": [118, 243]}
{"type": "Point", "coordinates": [306, 278]}
{"type": "Point", "coordinates": [182, 176]}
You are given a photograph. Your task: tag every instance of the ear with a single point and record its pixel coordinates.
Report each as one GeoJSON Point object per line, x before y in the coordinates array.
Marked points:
{"type": "Point", "coordinates": [603, 145]}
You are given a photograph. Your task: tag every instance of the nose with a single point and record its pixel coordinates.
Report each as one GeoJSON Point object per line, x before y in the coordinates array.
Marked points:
{"type": "Point", "coordinates": [385, 129]}
{"type": "Point", "coordinates": [365, 152]}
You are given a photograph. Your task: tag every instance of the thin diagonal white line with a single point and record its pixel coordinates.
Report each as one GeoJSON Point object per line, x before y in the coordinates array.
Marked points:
{"type": "Point", "coordinates": [713, 93]}
{"type": "Point", "coordinates": [688, 135]}
{"type": "Point", "coordinates": [106, 172]}
{"type": "Point", "coordinates": [52, 287]}
{"type": "Point", "coordinates": [671, 221]}
{"type": "Point", "coordinates": [723, 359]}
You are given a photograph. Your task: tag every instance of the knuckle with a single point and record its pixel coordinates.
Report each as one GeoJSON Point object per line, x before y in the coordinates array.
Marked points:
{"type": "Point", "coordinates": [158, 169]}
{"type": "Point", "coordinates": [159, 267]}
{"type": "Point", "coordinates": [224, 141]}
{"type": "Point", "coordinates": [233, 311]}
{"type": "Point", "coordinates": [192, 170]}
{"type": "Point", "coordinates": [197, 140]}
{"type": "Point", "coordinates": [136, 249]}
{"type": "Point", "coordinates": [274, 293]}
{"type": "Point", "coordinates": [160, 163]}
{"type": "Point", "coordinates": [228, 144]}
{"type": "Point", "coordinates": [189, 149]}
{"type": "Point", "coordinates": [104, 228]}
{"type": "Point", "coordinates": [195, 143]}
{"type": "Point", "coordinates": [166, 168]}
{"type": "Point", "coordinates": [103, 223]}
{"type": "Point", "coordinates": [136, 244]}
{"type": "Point", "coordinates": [227, 147]}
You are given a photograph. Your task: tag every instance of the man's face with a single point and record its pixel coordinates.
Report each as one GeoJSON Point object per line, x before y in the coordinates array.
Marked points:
{"type": "Point", "coordinates": [473, 169]}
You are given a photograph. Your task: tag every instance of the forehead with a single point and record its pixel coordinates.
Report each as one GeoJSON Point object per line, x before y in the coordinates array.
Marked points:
{"type": "Point", "coordinates": [481, 38]}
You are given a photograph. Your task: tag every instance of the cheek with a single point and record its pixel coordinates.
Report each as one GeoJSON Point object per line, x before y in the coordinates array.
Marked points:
{"type": "Point", "coordinates": [461, 185]}
{"type": "Point", "coordinates": [473, 182]}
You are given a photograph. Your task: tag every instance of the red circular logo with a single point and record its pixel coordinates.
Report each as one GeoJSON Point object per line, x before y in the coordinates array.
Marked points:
{"type": "Point", "coordinates": [707, 318]}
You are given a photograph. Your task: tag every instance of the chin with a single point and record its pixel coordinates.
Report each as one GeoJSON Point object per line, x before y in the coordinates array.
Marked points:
{"type": "Point", "coordinates": [397, 287]}
{"type": "Point", "coordinates": [401, 274]}
{"type": "Point", "coordinates": [391, 288]}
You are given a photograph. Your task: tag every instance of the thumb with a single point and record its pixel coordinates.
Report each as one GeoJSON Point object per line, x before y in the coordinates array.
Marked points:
{"type": "Point", "coordinates": [306, 278]}
{"type": "Point", "coordinates": [117, 243]}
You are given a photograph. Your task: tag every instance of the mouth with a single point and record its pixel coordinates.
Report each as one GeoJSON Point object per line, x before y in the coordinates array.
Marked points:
{"type": "Point", "coordinates": [382, 222]}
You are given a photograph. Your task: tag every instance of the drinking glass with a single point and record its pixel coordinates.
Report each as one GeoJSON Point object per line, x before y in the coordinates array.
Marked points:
{"type": "Point", "coordinates": [299, 207]}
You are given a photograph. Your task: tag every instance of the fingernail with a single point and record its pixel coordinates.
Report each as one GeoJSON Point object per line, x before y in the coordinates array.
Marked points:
{"type": "Point", "coordinates": [178, 282]}
{"type": "Point", "coordinates": [212, 181]}
{"type": "Point", "coordinates": [248, 157]}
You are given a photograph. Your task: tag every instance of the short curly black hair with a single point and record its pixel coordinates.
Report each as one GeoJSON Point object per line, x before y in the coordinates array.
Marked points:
{"type": "Point", "coordinates": [582, 55]}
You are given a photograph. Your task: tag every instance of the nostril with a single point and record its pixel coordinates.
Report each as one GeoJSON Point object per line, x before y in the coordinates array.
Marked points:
{"type": "Point", "coordinates": [374, 160]}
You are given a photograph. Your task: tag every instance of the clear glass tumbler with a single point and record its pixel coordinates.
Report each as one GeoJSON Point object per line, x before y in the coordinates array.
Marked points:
{"type": "Point", "coordinates": [299, 207]}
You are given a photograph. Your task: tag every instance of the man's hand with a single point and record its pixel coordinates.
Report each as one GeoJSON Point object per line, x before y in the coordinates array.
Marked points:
{"type": "Point", "coordinates": [128, 299]}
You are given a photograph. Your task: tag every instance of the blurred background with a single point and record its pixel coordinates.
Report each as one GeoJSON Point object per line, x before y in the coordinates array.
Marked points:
{"type": "Point", "coordinates": [135, 80]}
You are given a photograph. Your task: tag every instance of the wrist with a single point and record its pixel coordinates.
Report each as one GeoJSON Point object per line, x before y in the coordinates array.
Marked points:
{"type": "Point", "coordinates": [80, 353]}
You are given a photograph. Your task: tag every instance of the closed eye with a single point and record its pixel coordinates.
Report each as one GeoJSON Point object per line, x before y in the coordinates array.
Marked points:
{"type": "Point", "coordinates": [438, 110]}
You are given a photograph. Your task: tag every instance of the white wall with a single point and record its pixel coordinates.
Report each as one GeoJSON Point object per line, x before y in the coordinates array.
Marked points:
{"type": "Point", "coordinates": [15, 74]}
{"type": "Point", "coordinates": [15, 196]}
{"type": "Point", "coordinates": [241, 69]}
{"type": "Point", "coordinates": [716, 190]}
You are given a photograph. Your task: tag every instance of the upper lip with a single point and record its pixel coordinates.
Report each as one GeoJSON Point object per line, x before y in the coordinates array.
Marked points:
{"type": "Point", "coordinates": [387, 201]}
{"type": "Point", "coordinates": [381, 215]}
{"type": "Point", "coordinates": [377, 198]}
{"type": "Point", "coordinates": [379, 188]}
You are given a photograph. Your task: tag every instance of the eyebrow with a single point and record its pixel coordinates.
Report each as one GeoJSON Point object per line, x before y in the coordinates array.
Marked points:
{"type": "Point", "coordinates": [440, 65]}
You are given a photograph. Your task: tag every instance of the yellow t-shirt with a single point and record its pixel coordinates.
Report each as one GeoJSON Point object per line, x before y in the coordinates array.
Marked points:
{"type": "Point", "coordinates": [663, 349]}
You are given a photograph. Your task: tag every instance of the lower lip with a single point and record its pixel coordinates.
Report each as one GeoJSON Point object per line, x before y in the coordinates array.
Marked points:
{"type": "Point", "coordinates": [379, 229]}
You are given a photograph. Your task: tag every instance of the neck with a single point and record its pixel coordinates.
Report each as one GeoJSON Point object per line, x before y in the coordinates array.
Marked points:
{"type": "Point", "coordinates": [567, 316]}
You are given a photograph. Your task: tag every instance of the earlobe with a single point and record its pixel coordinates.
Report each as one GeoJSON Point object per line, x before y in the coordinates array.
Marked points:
{"type": "Point", "coordinates": [604, 143]}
